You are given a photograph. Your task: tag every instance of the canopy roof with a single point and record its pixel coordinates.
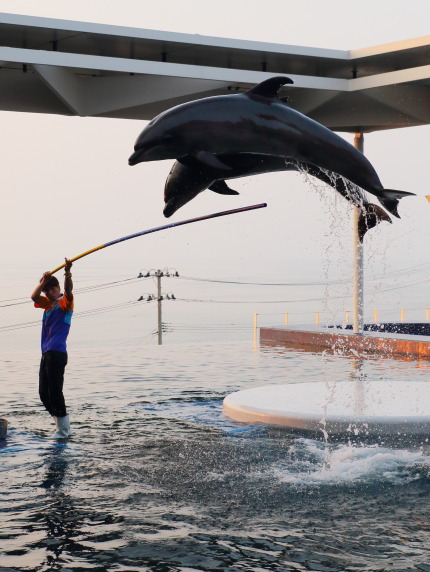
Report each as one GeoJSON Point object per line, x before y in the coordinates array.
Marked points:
{"type": "Point", "coordinates": [77, 68]}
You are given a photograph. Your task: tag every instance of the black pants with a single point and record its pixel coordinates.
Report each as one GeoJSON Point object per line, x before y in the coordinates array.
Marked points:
{"type": "Point", "coordinates": [51, 379]}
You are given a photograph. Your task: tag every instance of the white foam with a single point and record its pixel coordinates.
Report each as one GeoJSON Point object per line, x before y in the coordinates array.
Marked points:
{"type": "Point", "coordinates": [352, 464]}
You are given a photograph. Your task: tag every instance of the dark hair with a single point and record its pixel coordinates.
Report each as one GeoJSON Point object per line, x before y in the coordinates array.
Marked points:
{"type": "Point", "coordinates": [51, 283]}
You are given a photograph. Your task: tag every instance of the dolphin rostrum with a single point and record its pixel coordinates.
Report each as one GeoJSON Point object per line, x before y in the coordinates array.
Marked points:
{"type": "Point", "coordinates": [255, 122]}
{"type": "Point", "coordinates": [185, 182]}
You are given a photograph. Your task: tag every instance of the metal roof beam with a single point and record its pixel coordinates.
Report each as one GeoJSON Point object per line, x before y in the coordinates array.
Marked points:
{"type": "Point", "coordinates": [390, 78]}
{"type": "Point", "coordinates": [78, 68]}
{"type": "Point", "coordinates": [122, 65]}
{"type": "Point", "coordinates": [108, 94]}
{"type": "Point", "coordinates": [96, 29]}
{"type": "Point", "coordinates": [65, 85]}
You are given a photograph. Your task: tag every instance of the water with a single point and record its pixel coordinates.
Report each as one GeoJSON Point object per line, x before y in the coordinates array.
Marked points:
{"type": "Point", "coordinates": [156, 478]}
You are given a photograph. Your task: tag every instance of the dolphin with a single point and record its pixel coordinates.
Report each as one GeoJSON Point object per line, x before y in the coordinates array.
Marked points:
{"type": "Point", "coordinates": [185, 182]}
{"type": "Point", "coordinates": [255, 122]}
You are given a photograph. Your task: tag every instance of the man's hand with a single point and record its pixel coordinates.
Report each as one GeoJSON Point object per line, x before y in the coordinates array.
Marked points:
{"type": "Point", "coordinates": [68, 283]}
{"type": "Point", "coordinates": [40, 287]}
{"type": "Point", "coordinates": [45, 277]}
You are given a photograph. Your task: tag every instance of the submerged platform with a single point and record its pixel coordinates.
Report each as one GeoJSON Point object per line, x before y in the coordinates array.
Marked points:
{"type": "Point", "coordinates": [388, 408]}
{"type": "Point", "coordinates": [345, 341]}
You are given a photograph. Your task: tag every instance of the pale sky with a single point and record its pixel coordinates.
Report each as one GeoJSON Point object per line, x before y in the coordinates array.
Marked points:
{"type": "Point", "coordinates": [67, 187]}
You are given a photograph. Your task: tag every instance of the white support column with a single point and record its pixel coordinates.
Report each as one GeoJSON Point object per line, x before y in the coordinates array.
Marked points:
{"type": "Point", "coordinates": [358, 310]}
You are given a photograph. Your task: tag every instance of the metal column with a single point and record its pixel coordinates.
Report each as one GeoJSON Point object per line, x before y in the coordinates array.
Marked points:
{"type": "Point", "coordinates": [358, 303]}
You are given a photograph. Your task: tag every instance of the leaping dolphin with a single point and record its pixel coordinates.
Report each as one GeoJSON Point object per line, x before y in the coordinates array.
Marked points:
{"type": "Point", "coordinates": [255, 122]}
{"type": "Point", "coordinates": [185, 182]}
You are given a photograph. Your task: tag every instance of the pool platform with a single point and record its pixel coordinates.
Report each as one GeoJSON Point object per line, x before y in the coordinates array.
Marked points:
{"type": "Point", "coordinates": [382, 339]}
{"type": "Point", "coordinates": [362, 408]}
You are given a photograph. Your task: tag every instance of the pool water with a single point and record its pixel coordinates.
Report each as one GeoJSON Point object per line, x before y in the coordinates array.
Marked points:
{"type": "Point", "coordinates": [156, 478]}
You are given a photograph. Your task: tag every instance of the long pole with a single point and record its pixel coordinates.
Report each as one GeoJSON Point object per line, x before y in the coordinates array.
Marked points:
{"type": "Point", "coordinates": [164, 227]}
{"type": "Point", "coordinates": [358, 302]}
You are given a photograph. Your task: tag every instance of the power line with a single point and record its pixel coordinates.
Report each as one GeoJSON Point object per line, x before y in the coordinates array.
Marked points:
{"type": "Point", "coordinates": [92, 288]}
{"type": "Point", "coordinates": [83, 314]}
{"type": "Point", "coordinates": [255, 301]}
{"type": "Point", "coordinates": [263, 283]}
{"type": "Point", "coordinates": [376, 277]}
{"type": "Point", "coordinates": [83, 290]}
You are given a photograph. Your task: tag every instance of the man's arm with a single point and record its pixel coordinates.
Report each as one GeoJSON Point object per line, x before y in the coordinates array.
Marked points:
{"type": "Point", "coordinates": [68, 283]}
{"type": "Point", "coordinates": [37, 293]}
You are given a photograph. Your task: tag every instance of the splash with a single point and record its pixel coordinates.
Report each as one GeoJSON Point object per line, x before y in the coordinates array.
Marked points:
{"type": "Point", "coordinates": [322, 465]}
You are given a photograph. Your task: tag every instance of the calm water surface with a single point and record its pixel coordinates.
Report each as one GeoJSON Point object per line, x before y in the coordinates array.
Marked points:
{"type": "Point", "coordinates": [156, 478]}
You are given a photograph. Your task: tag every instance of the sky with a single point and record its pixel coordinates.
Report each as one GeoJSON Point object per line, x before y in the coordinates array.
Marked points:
{"type": "Point", "coordinates": [67, 187]}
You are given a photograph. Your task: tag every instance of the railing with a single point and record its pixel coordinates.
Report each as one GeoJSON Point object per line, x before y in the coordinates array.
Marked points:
{"type": "Point", "coordinates": [344, 318]}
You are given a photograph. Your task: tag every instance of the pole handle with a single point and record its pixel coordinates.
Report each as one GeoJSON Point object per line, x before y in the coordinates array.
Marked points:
{"type": "Point", "coordinates": [78, 257]}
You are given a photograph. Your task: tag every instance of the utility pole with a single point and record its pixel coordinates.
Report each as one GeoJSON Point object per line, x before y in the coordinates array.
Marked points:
{"type": "Point", "coordinates": [158, 274]}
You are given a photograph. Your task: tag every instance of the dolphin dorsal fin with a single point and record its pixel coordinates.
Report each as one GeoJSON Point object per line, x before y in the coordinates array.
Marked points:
{"type": "Point", "coordinates": [269, 88]}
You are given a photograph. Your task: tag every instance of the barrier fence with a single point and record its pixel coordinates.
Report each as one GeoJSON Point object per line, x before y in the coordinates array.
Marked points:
{"type": "Point", "coordinates": [337, 318]}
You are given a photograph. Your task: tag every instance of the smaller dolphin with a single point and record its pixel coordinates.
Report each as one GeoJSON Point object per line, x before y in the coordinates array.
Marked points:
{"type": "Point", "coordinates": [256, 122]}
{"type": "Point", "coordinates": [185, 182]}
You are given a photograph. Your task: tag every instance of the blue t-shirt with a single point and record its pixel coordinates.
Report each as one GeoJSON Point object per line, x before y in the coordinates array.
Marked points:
{"type": "Point", "coordinates": [56, 322]}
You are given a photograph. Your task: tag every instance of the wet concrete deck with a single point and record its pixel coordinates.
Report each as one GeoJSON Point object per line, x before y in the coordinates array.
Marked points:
{"type": "Point", "coordinates": [345, 341]}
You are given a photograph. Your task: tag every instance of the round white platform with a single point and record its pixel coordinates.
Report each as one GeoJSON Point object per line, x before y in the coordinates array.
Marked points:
{"type": "Point", "coordinates": [345, 407]}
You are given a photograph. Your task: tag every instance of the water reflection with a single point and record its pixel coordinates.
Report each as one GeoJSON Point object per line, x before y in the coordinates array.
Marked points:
{"type": "Point", "coordinates": [358, 361]}
{"type": "Point", "coordinates": [56, 468]}
{"type": "Point", "coordinates": [59, 517]}
{"type": "Point", "coordinates": [69, 530]}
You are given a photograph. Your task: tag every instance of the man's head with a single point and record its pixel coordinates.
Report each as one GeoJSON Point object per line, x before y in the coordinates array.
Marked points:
{"type": "Point", "coordinates": [52, 288]}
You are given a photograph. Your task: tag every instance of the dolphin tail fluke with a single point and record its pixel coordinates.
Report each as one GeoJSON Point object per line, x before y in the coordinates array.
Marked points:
{"type": "Point", "coordinates": [370, 216]}
{"type": "Point", "coordinates": [389, 199]}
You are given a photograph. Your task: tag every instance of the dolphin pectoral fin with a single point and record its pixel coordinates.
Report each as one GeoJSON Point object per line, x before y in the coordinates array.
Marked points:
{"type": "Point", "coordinates": [389, 199]}
{"type": "Point", "coordinates": [222, 188]}
{"type": "Point", "coordinates": [370, 215]}
{"type": "Point", "coordinates": [211, 160]}
{"type": "Point", "coordinates": [205, 159]}
{"type": "Point", "coordinates": [270, 87]}
{"type": "Point", "coordinates": [189, 161]}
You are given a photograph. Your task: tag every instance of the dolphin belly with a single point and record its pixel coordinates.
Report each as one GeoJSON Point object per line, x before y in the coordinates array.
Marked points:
{"type": "Point", "coordinates": [185, 182]}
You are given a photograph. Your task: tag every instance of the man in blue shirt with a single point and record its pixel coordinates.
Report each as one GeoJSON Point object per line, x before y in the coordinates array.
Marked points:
{"type": "Point", "coordinates": [57, 316]}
